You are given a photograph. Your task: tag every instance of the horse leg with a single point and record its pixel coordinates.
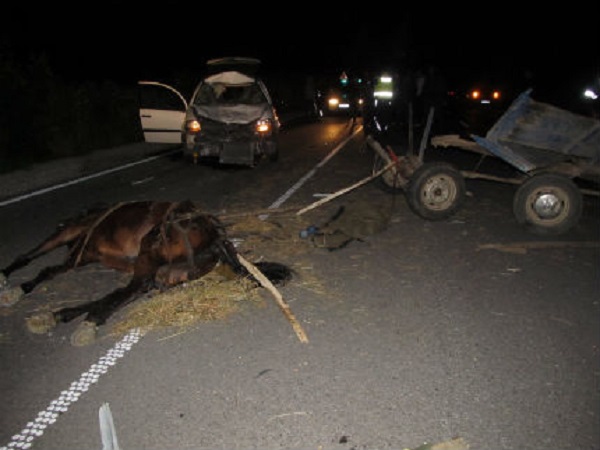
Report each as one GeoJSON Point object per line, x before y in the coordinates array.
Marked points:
{"type": "Point", "coordinates": [11, 295]}
{"type": "Point", "coordinates": [42, 322]}
{"type": "Point", "coordinates": [59, 238]}
{"type": "Point", "coordinates": [45, 321]}
{"type": "Point", "coordinates": [8, 295]}
{"type": "Point", "coordinates": [98, 311]}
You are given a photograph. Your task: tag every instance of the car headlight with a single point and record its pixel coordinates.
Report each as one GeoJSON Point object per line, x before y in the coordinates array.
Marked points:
{"type": "Point", "coordinates": [264, 126]}
{"type": "Point", "coordinates": [193, 126]}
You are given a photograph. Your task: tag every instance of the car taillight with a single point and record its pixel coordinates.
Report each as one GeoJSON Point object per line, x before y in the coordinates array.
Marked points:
{"type": "Point", "coordinates": [263, 126]}
{"type": "Point", "coordinates": [193, 126]}
{"type": "Point", "coordinates": [496, 95]}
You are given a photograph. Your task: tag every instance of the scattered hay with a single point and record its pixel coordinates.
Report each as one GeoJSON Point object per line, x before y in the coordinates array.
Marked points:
{"type": "Point", "coordinates": [212, 297]}
{"type": "Point", "coordinates": [274, 238]}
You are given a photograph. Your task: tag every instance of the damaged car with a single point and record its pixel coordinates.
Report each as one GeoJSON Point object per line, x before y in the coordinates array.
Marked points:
{"type": "Point", "coordinates": [230, 118]}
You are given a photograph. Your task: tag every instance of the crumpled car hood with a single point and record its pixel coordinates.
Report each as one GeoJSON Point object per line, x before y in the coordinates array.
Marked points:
{"type": "Point", "coordinates": [239, 114]}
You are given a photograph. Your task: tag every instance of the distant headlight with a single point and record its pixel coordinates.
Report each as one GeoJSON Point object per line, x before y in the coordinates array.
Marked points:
{"type": "Point", "coordinates": [479, 96]}
{"type": "Point", "coordinates": [333, 101]}
{"type": "Point", "coordinates": [475, 94]}
{"type": "Point", "coordinates": [590, 94]}
{"type": "Point", "coordinates": [193, 126]}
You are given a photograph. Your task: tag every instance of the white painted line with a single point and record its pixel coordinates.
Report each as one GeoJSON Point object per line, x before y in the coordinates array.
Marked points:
{"type": "Point", "coordinates": [79, 180]}
{"type": "Point", "coordinates": [281, 200]}
{"type": "Point", "coordinates": [24, 439]}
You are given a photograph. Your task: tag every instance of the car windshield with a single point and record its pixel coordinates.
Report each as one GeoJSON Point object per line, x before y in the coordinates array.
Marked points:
{"type": "Point", "coordinates": [227, 94]}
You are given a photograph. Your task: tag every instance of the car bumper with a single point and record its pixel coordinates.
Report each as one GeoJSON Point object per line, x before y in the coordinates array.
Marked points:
{"type": "Point", "coordinates": [234, 152]}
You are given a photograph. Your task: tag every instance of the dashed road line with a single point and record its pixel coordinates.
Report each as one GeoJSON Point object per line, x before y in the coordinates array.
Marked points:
{"type": "Point", "coordinates": [34, 429]}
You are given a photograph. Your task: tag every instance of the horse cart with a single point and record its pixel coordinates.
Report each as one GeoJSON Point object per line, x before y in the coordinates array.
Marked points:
{"type": "Point", "coordinates": [554, 154]}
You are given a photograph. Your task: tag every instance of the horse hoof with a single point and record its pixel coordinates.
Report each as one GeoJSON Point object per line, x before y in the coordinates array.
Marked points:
{"type": "Point", "coordinates": [10, 296]}
{"type": "Point", "coordinates": [41, 323]}
{"type": "Point", "coordinates": [85, 334]}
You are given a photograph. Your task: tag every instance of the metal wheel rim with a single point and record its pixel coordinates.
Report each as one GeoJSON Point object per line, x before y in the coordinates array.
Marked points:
{"type": "Point", "coordinates": [548, 205]}
{"type": "Point", "coordinates": [439, 193]}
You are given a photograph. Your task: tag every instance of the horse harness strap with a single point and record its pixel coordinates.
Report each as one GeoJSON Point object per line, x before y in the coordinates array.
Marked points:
{"type": "Point", "coordinates": [188, 246]}
{"type": "Point", "coordinates": [168, 219]}
{"type": "Point", "coordinates": [97, 222]}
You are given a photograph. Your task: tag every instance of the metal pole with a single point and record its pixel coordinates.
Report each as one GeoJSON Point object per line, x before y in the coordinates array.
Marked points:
{"type": "Point", "coordinates": [426, 132]}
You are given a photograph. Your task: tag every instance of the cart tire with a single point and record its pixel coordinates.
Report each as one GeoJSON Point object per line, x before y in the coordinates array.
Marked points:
{"type": "Point", "coordinates": [436, 191]}
{"type": "Point", "coordinates": [548, 204]}
{"type": "Point", "coordinates": [389, 181]}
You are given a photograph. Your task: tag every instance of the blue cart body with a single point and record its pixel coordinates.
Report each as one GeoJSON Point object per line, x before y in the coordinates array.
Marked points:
{"type": "Point", "coordinates": [532, 135]}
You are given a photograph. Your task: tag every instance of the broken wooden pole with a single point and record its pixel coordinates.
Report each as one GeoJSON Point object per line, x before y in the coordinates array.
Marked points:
{"type": "Point", "coordinates": [266, 283]}
{"type": "Point", "coordinates": [345, 190]}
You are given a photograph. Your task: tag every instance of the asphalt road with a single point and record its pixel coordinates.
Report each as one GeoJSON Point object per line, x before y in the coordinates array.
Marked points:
{"type": "Point", "coordinates": [420, 332]}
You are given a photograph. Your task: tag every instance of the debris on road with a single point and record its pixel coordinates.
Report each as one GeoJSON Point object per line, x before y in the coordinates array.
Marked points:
{"type": "Point", "coordinates": [454, 444]}
{"type": "Point", "coordinates": [522, 247]}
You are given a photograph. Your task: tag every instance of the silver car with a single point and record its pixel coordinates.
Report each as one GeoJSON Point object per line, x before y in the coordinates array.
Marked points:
{"type": "Point", "coordinates": [230, 117]}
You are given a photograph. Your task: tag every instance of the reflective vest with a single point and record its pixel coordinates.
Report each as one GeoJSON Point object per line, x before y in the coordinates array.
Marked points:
{"type": "Point", "coordinates": [384, 87]}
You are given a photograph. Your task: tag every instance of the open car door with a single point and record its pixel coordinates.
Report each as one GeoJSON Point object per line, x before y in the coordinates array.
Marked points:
{"type": "Point", "coordinates": [162, 113]}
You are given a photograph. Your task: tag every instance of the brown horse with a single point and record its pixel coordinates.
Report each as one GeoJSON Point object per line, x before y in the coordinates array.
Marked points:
{"type": "Point", "coordinates": [160, 243]}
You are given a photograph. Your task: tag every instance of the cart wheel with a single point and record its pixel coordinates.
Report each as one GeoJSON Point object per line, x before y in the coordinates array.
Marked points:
{"type": "Point", "coordinates": [436, 191]}
{"type": "Point", "coordinates": [388, 181]}
{"type": "Point", "coordinates": [548, 204]}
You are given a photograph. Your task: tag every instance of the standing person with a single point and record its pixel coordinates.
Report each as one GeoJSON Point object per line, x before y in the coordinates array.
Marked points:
{"type": "Point", "coordinates": [432, 92]}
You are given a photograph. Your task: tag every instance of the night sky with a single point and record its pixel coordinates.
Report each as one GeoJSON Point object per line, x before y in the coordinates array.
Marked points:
{"type": "Point", "coordinates": [141, 41]}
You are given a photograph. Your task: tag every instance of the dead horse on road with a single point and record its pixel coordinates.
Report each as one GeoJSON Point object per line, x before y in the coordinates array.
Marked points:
{"type": "Point", "coordinates": [160, 243]}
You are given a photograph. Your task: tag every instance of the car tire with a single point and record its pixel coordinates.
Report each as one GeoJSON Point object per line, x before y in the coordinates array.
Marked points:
{"type": "Point", "coordinates": [548, 204]}
{"type": "Point", "coordinates": [436, 191]}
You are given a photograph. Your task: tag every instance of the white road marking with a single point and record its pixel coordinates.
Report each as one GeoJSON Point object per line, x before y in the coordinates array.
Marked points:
{"type": "Point", "coordinates": [24, 439]}
{"type": "Point", "coordinates": [281, 200]}
{"type": "Point", "coordinates": [79, 180]}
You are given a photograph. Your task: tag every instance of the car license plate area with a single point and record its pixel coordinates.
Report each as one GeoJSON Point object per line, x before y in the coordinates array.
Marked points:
{"type": "Point", "coordinates": [237, 153]}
